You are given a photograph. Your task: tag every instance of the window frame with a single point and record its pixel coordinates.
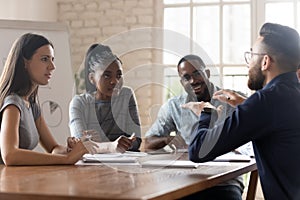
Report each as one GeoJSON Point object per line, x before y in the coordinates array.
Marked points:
{"type": "Point", "coordinates": [257, 18]}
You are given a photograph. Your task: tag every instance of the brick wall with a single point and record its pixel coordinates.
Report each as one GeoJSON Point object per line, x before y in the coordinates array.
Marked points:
{"type": "Point", "coordinates": [123, 25]}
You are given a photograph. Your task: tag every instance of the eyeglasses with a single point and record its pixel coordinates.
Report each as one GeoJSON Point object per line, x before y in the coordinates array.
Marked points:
{"type": "Point", "coordinates": [248, 55]}
{"type": "Point", "coordinates": [195, 75]}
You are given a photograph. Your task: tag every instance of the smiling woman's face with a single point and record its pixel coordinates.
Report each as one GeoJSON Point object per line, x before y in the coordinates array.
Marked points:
{"type": "Point", "coordinates": [108, 82]}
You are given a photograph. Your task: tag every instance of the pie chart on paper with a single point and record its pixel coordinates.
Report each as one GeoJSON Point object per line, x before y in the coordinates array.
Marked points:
{"type": "Point", "coordinates": [52, 112]}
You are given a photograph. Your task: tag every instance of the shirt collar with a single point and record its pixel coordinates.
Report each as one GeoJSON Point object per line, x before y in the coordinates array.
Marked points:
{"type": "Point", "coordinates": [289, 77]}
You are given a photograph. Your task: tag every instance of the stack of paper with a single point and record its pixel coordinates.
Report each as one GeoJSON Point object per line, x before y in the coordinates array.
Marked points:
{"type": "Point", "coordinates": [146, 160]}
{"type": "Point", "coordinates": [127, 157]}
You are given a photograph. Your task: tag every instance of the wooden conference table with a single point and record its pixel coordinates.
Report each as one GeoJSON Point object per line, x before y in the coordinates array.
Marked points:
{"type": "Point", "coordinates": [114, 182]}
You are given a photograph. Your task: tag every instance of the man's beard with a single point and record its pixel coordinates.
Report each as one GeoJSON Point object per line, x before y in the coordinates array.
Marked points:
{"type": "Point", "coordinates": [204, 96]}
{"type": "Point", "coordinates": [256, 78]}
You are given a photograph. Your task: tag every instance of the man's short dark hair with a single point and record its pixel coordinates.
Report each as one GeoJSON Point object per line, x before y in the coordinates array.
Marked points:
{"type": "Point", "coordinates": [192, 57]}
{"type": "Point", "coordinates": [283, 43]}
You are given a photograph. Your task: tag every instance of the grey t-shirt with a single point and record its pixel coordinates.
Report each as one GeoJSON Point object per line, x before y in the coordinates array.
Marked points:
{"type": "Point", "coordinates": [28, 134]}
{"type": "Point", "coordinates": [115, 118]}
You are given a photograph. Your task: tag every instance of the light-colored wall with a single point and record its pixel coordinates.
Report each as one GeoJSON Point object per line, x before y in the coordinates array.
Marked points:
{"type": "Point", "coordinates": [35, 10]}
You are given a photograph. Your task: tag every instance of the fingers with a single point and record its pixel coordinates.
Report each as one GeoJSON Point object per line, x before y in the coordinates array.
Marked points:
{"type": "Point", "coordinates": [123, 143]}
{"type": "Point", "coordinates": [208, 105]}
{"type": "Point", "coordinates": [90, 146]}
{"type": "Point", "coordinates": [223, 95]}
{"type": "Point", "coordinates": [191, 105]}
{"type": "Point", "coordinates": [220, 110]}
{"type": "Point", "coordinates": [71, 142]}
{"type": "Point", "coordinates": [132, 137]}
{"type": "Point", "coordinates": [91, 134]}
{"type": "Point", "coordinates": [178, 142]}
{"type": "Point", "coordinates": [185, 106]}
{"type": "Point", "coordinates": [230, 97]}
{"type": "Point", "coordinates": [121, 149]}
{"type": "Point", "coordinates": [196, 107]}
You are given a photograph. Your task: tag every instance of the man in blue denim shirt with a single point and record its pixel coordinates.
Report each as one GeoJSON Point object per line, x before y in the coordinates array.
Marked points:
{"type": "Point", "coordinates": [172, 117]}
{"type": "Point", "coordinates": [270, 118]}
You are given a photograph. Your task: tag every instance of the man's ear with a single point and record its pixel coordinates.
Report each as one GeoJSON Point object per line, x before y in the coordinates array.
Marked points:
{"type": "Point", "coordinates": [207, 71]}
{"type": "Point", "coordinates": [91, 78]}
{"type": "Point", "coordinates": [265, 63]}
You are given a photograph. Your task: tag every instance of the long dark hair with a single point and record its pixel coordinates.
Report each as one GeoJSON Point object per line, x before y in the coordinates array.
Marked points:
{"type": "Point", "coordinates": [15, 78]}
{"type": "Point", "coordinates": [98, 56]}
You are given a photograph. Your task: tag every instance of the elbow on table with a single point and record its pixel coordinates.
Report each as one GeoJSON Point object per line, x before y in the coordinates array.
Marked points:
{"type": "Point", "coordinates": [195, 158]}
{"type": "Point", "coordinates": [9, 159]}
{"type": "Point", "coordinates": [193, 155]}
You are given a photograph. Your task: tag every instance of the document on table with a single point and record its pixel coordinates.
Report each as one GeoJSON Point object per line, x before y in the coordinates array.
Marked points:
{"type": "Point", "coordinates": [163, 151]}
{"type": "Point", "coordinates": [127, 157]}
{"type": "Point", "coordinates": [146, 160]}
{"type": "Point", "coordinates": [170, 163]}
{"type": "Point", "coordinates": [221, 160]}
{"type": "Point", "coordinates": [232, 157]}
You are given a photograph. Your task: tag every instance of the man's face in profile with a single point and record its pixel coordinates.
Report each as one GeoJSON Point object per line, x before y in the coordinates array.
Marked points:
{"type": "Point", "coordinates": [194, 79]}
{"type": "Point", "coordinates": [256, 78]}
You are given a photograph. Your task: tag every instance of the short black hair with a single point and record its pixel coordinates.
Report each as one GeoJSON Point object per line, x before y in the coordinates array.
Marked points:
{"type": "Point", "coordinates": [282, 42]}
{"type": "Point", "coordinates": [190, 57]}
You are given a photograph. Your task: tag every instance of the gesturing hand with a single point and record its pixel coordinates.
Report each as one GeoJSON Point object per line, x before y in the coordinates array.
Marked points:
{"type": "Point", "coordinates": [197, 107]}
{"type": "Point", "coordinates": [229, 96]}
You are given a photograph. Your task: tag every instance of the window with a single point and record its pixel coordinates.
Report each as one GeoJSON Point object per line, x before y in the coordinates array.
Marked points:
{"type": "Point", "coordinates": [224, 30]}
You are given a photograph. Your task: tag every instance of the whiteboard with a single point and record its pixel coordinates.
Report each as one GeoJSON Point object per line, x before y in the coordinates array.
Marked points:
{"type": "Point", "coordinates": [55, 97]}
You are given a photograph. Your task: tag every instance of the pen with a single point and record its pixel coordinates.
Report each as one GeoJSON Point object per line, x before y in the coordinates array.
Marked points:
{"type": "Point", "coordinates": [174, 148]}
{"type": "Point", "coordinates": [132, 136]}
